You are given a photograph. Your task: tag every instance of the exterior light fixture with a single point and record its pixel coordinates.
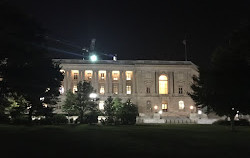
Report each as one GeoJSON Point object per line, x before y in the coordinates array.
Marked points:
{"type": "Point", "coordinates": [191, 107]}
{"type": "Point", "coordinates": [155, 107]}
{"type": "Point", "coordinates": [93, 58]}
{"type": "Point", "coordinates": [93, 95]}
{"type": "Point", "coordinates": [160, 112]}
{"type": "Point", "coordinates": [199, 112]}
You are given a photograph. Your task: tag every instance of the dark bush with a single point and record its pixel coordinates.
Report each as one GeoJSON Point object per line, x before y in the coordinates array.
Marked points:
{"type": "Point", "coordinates": [4, 119]}
{"type": "Point", "coordinates": [241, 122]}
{"type": "Point", "coordinates": [20, 120]}
{"type": "Point", "coordinates": [59, 119]}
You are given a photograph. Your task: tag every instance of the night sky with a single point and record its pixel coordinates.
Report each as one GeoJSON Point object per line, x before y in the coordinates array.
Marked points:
{"type": "Point", "coordinates": [140, 29]}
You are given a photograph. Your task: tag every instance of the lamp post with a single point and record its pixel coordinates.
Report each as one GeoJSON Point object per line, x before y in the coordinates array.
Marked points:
{"type": "Point", "coordinates": [93, 96]}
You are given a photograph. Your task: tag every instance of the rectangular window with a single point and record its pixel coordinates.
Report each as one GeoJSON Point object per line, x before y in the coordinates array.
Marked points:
{"type": "Point", "coordinates": [115, 89]}
{"type": "Point", "coordinates": [102, 75]}
{"type": "Point", "coordinates": [164, 107]}
{"type": "Point", "coordinates": [128, 75]}
{"type": "Point", "coordinates": [180, 90]}
{"type": "Point", "coordinates": [148, 90]}
{"type": "Point", "coordinates": [74, 89]}
{"type": "Point", "coordinates": [88, 74]}
{"type": "Point", "coordinates": [75, 74]}
{"type": "Point", "coordinates": [128, 89]}
{"type": "Point", "coordinates": [115, 75]}
{"type": "Point", "coordinates": [101, 105]}
{"type": "Point", "coordinates": [102, 89]}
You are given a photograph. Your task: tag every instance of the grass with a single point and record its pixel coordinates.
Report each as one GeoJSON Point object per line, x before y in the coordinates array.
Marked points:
{"type": "Point", "coordinates": [124, 141]}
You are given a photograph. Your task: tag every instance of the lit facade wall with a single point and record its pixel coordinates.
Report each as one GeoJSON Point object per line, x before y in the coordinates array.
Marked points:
{"type": "Point", "coordinates": [146, 83]}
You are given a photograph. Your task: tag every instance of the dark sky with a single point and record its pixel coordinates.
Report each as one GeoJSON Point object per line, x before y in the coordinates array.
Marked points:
{"type": "Point", "coordinates": [141, 29]}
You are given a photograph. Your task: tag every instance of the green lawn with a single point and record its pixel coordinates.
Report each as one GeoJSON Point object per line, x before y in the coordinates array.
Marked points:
{"type": "Point", "coordinates": [125, 141]}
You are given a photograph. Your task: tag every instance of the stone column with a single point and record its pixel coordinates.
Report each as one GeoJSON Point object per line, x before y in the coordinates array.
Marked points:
{"type": "Point", "coordinates": [124, 81]}
{"type": "Point", "coordinates": [109, 79]}
{"type": "Point", "coordinates": [133, 83]}
{"type": "Point", "coordinates": [106, 84]}
{"type": "Point", "coordinates": [120, 81]}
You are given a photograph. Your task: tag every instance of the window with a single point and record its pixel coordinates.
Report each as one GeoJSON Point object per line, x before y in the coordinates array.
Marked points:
{"type": "Point", "coordinates": [128, 89]}
{"type": "Point", "coordinates": [163, 84]}
{"type": "Point", "coordinates": [164, 107]}
{"type": "Point", "coordinates": [181, 105]}
{"type": "Point", "coordinates": [102, 89]}
{"type": "Point", "coordinates": [149, 107]}
{"type": "Point", "coordinates": [148, 90]}
{"type": "Point", "coordinates": [128, 75]}
{"type": "Point", "coordinates": [61, 90]}
{"type": "Point", "coordinates": [115, 88]}
{"type": "Point", "coordinates": [74, 89]}
{"type": "Point", "coordinates": [115, 75]}
{"type": "Point", "coordinates": [180, 90]}
{"type": "Point", "coordinates": [102, 75]}
{"type": "Point", "coordinates": [75, 74]}
{"type": "Point", "coordinates": [101, 105]}
{"type": "Point", "coordinates": [88, 74]}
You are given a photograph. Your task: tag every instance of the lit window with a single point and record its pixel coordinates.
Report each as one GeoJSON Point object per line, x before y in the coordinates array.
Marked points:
{"type": "Point", "coordinates": [74, 89]}
{"type": "Point", "coordinates": [102, 89]}
{"type": "Point", "coordinates": [181, 105]}
{"type": "Point", "coordinates": [102, 75]}
{"type": "Point", "coordinates": [75, 74]}
{"type": "Point", "coordinates": [180, 90]}
{"type": "Point", "coordinates": [61, 90]}
{"type": "Point", "coordinates": [101, 105]}
{"type": "Point", "coordinates": [128, 88]}
{"type": "Point", "coordinates": [148, 90]}
{"type": "Point", "coordinates": [128, 75]}
{"type": "Point", "coordinates": [164, 107]}
{"type": "Point", "coordinates": [115, 88]}
{"type": "Point", "coordinates": [88, 74]}
{"type": "Point", "coordinates": [115, 75]}
{"type": "Point", "coordinates": [163, 84]}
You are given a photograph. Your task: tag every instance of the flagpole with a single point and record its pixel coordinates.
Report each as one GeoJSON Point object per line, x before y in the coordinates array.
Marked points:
{"type": "Point", "coordinates": [185, 51]}
{"type": "Point", "coordinates": [185, 45]}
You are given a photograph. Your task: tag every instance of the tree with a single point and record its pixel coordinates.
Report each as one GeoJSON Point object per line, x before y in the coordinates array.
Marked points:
{"type": "Point", "coordinates": [127, 113]}
{"type": "Point", "coordinates": [25, 68]}
{"type": "Point", "coordinates": [109, 110]}
{"type": "Point", "coordinates": [82, 104]}
{"type": "Point", "coordinates": [224, 87]}
{"type": "Point", "coordinates": [69, 104]}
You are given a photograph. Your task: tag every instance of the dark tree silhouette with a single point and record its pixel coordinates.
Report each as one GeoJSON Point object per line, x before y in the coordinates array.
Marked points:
{"type": "Point", "coordinates": [24, 66]}
{"type": "Point", "coordinates": [224, 87]}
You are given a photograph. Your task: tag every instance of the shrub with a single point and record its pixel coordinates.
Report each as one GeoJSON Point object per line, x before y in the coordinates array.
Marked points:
{"type": "Point", "coordinates": [59, 119]}
{"type": "Point", "coordinates": [241, 122]}
{"type": "Point", "coordinates": [20, 120]}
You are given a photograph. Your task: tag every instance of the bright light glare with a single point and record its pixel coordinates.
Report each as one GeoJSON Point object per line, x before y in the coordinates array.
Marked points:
{"type": "Point", "coordinates": [160, 112]}
{"type": "Point", "coordinates": [191, 107]}
{"type": "Point", "coordinates": [93, 95]}
{"type": "Point", "coordinates": [155, 107]}
{"type": "Point", "coordinates": [93, 58]}
{"type": "Point", "coordinates": [199, 112]}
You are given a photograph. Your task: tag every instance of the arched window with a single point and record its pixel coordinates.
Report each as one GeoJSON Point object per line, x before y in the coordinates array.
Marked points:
{"type": "Point", "coordinates": [163, 84]}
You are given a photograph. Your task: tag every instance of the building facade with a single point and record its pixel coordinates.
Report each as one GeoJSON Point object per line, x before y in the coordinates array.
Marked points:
{"type": "Point", "coordinates": [155, 86]}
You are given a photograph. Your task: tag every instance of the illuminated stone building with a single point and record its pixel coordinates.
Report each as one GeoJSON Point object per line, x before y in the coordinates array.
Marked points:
{"type": "Point", "coordinates": [155, 86]}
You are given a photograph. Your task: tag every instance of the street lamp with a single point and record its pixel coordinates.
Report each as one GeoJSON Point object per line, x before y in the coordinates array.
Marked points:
{"type": "Point", "coordinates": [93, 96]}
{"type": "Point", "coordinates": [93, 58]}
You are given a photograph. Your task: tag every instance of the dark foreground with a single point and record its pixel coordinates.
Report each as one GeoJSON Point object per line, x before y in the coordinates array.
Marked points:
{"type": "Point", "coordinates": [124, 141]}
